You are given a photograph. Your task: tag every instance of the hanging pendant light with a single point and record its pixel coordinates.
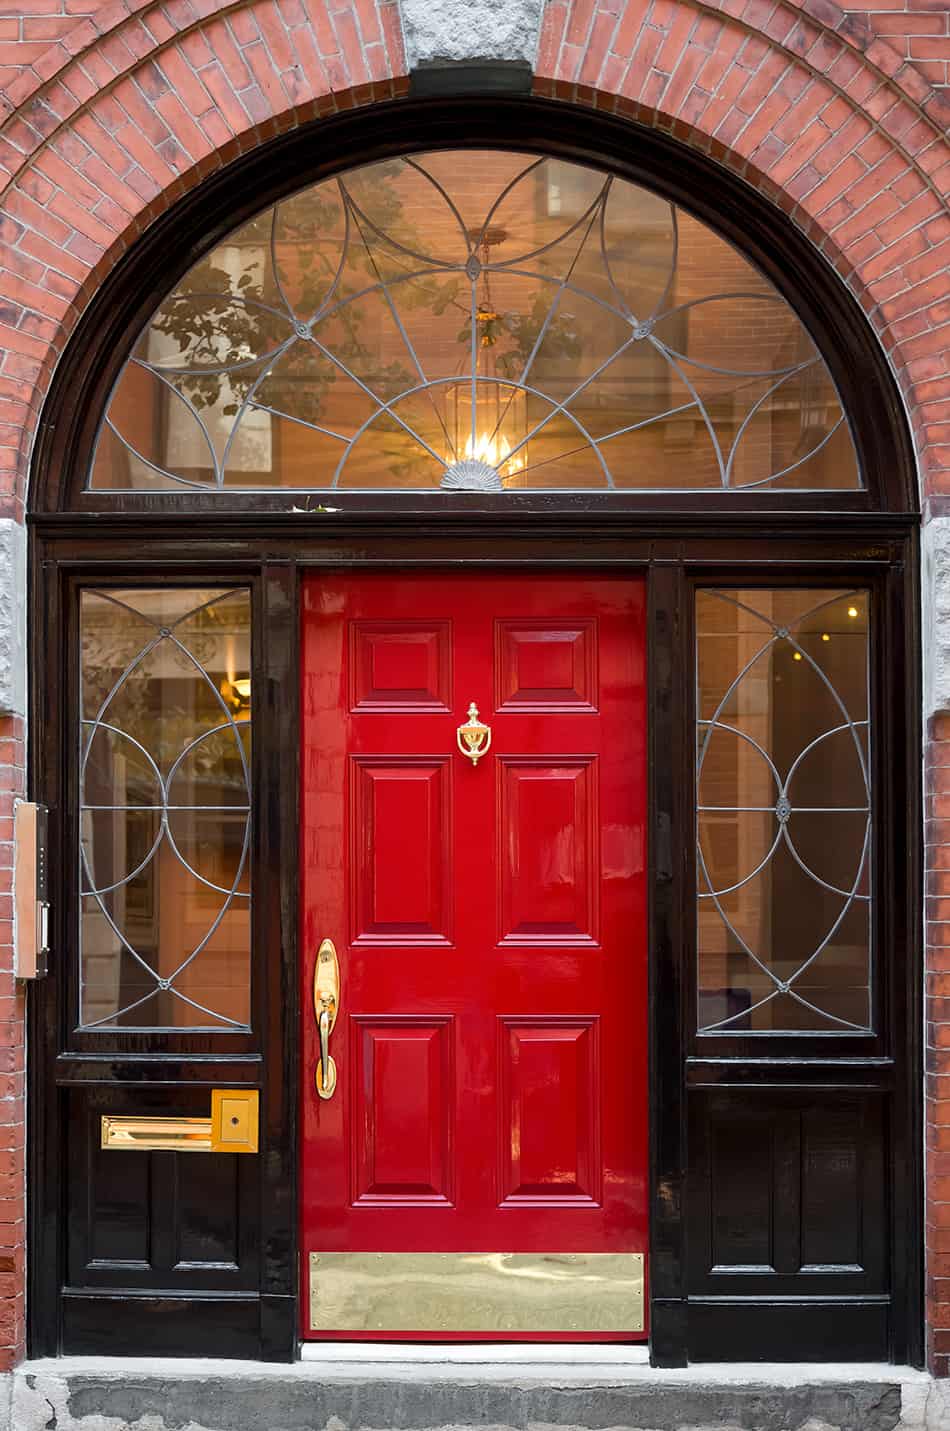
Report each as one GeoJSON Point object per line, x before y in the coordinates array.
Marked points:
{"type": "Point", "coordinates": [487, 414]}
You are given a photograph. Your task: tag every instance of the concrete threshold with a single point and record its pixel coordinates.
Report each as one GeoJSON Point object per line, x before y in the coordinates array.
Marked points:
{"type": "Point", "coordinates": [363, 1387]}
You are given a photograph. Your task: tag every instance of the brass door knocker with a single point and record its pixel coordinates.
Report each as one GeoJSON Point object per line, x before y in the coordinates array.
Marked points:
{"type": "Point", "coordinates": [474, 737]}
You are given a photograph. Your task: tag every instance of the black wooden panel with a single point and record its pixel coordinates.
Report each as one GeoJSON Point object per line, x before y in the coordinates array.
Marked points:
{"type": "Point", "coordinates": [206, 1211]}
{"type": "Point", "coordinates": [807, 1330]}
{"type": "Point", "coordinates": [137, 1325]}
{"type": "Point", "coordinates": [831, 1187]}
{"type": "Point", "coordinates": [788, 1193]}
{"type": "Point", "coordinates": [741, 1181]}
{"type": "Point", "coordinates": [161, 1221]}
{"type": "Point", "coordinates": [118, 1210]}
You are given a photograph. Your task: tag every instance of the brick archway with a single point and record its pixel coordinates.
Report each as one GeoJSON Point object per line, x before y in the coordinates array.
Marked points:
{"type": "Point", "coordinates": [125, 112]}
{"type": "Point", "coordinates": [117, 112]}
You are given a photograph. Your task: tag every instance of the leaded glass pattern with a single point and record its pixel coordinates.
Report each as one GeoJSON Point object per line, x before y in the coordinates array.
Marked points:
{"type": "Point", "coordinates": [165, 798]}
{"type": "Point", "coordinates": [784, 811]}
{"type": "Point", "coordinates": [483, 319]}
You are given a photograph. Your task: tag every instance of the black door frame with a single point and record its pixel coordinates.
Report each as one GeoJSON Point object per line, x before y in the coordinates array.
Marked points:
{"type": "Point", "coordinates": [681, 1065]}
{"type": "Point", "coordinates": [679, 539]}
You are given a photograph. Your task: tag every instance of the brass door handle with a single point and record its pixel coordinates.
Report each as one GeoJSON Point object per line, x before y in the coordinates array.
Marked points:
{"type": "Point", "coordinates": [326, 1006]}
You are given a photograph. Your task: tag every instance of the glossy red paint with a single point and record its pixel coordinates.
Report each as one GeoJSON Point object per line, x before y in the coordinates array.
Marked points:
{"type": "Point", "coordinates": [490, 920]}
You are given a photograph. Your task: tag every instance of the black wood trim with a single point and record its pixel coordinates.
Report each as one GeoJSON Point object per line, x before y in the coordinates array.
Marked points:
{"type": "Point", "coordinates": [669, 824]}
{"type": "Point", "coordinates": [279, 662]}
{"type": "Point", "coordinates": [900, 737]}
{"type": "Point", "coordinates": [128, 1323]}
{"type": "Point", "coordinates": [789, 1329]}
{"type": "Point", "coordinates": [785, 1073]}
{"type": "Point", "coordinates": [44, 1162]}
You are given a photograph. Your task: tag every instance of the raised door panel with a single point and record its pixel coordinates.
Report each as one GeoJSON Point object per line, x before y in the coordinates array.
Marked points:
{"type": "Point", "coordinates": [548, 864]}
{"type": "Point", "coordinates": [400, 666]}
{"type": "Point", "coordinates": [543, 665]}
{"type": "Point", "coordinates": [402, 1110]}
{"type": "Point", "coordinates": [832, 1153]}
{"type": "Point", "coordinates": [549, 1111]}
{"type": "Point", "coordinates": [741, 1158]}
{"type": "Point", "coordinates": [400, 850]}
{"type": "Point", "coordinates": [207, 1214]}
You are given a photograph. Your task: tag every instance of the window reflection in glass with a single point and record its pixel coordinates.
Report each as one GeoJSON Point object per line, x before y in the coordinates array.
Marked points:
{"type": "Point", "coordinates": [784, 819]}
{"type": "Point", "coordinates": [165, 808]}
{"type": "Point", "coordinates": [489, 319]}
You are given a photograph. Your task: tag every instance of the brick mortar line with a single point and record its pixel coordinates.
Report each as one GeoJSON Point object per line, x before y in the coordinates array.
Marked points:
{"type": "Point", "coordinates": [87, 107]}
{"type": "Point", "coordinates": [124, 19]}
{"type": "Point", "coordinates": [800, 61]}
{"type": "Point", "coordinates": [138, 63]}
{"type": "Point", "coordinates": [802, 15]}
{"type": "Point", "coordinates": [139, 16]}
{"type": "Point", "coordinates": [794, 61]}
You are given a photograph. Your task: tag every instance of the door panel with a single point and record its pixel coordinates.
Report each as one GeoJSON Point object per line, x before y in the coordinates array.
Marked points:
{"type": "Point", "coordinates": [401, 1101]}
{"type": "Point", "coordinates": [489, 918]}
{"type": "Point", "coordinates": [548, 890]}
{"type": "Point", "coordinates": [548, 1126]}
{"type": "Point", "coordinates": [400, 804]}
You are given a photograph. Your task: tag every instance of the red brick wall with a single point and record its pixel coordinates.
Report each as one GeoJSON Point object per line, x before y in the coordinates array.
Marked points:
{"type": "Point", "coordinates": [109, 112]}
{"type": "Point", "coordinates": [12, 1064]}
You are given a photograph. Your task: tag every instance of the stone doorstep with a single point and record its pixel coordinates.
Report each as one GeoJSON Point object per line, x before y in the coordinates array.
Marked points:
{"type": "Point", "coordinates": [526, 1389]}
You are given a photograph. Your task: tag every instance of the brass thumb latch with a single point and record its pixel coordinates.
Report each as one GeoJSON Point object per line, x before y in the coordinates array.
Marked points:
{"type": "Point", "coordinates": [326, 1006]}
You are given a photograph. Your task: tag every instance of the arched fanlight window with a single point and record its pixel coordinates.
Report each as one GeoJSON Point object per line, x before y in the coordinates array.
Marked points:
{"type": "Point", "coordinates": [475, 319]}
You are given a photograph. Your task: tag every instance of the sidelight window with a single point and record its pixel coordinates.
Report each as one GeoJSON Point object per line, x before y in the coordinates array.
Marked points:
{"type": "Point", "coordinates": [165, 808]}
{"type": "Point", "coordinates": [479, 320]}
{"type": "Point", "coordinates": [784, 811]}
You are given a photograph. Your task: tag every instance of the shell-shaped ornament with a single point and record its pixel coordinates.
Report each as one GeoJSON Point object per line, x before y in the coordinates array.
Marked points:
{"type": "Point", "coordinates": [470, 475]}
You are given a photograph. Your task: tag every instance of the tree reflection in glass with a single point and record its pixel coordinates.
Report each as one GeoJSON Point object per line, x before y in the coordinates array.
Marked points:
{"type": "Point", "coordinates": [165, 808]}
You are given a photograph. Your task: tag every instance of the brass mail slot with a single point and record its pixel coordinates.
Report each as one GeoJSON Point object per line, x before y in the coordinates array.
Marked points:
{"type": "Point", "coordinates": [231, 1128]}
{"type": "Point", "coordinates": [509, 1292]}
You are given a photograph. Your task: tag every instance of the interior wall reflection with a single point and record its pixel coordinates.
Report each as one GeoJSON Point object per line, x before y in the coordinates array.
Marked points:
{"type": "Point", "coordinates": [479, 320]}
{"type": "Point", "coordinates": [165, 799]}
{"type": "Point", "coordinates": [784, 811]}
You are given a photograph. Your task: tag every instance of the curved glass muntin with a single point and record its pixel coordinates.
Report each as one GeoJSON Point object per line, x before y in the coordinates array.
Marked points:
{"type": "Point", "coordinates": [785, 811]}
{"type": "Point", "coordinates": [165, 797]}
{"type": "Point", "coordinates": [394, 329]}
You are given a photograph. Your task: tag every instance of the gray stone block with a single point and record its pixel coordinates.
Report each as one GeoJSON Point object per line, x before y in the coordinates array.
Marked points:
{"type": "Point", "coordinates": [299, 1399]}
{"type": "Point", "coordinates": [12, 617]}
{"type": "Point", "coordinates": [441, 33]}
{"type": "Point", "coordinates": [935, 601]}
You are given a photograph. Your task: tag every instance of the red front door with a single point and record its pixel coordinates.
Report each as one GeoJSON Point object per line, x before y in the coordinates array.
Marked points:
{"type": "Point", "coordinates": [489, 922]}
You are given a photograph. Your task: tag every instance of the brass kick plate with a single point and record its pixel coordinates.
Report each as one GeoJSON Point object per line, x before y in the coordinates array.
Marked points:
{"type": "Point", "coordinates": [476, 1292]}
{"type": "Point", "coordinates": [232, 1127]}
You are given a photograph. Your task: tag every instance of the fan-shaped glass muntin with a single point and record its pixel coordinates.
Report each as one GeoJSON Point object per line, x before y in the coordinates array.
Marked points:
{"type": "Point", "coordinates": [486, 320]}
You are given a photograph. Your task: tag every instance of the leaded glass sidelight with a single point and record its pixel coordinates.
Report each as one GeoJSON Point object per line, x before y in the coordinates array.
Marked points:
{"type": "Point", "coordinates": [480, 320]}
{"type": "Point", "coordinates": [784, 811]}
{"type": "Point", "coordinates": [165, 809]}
